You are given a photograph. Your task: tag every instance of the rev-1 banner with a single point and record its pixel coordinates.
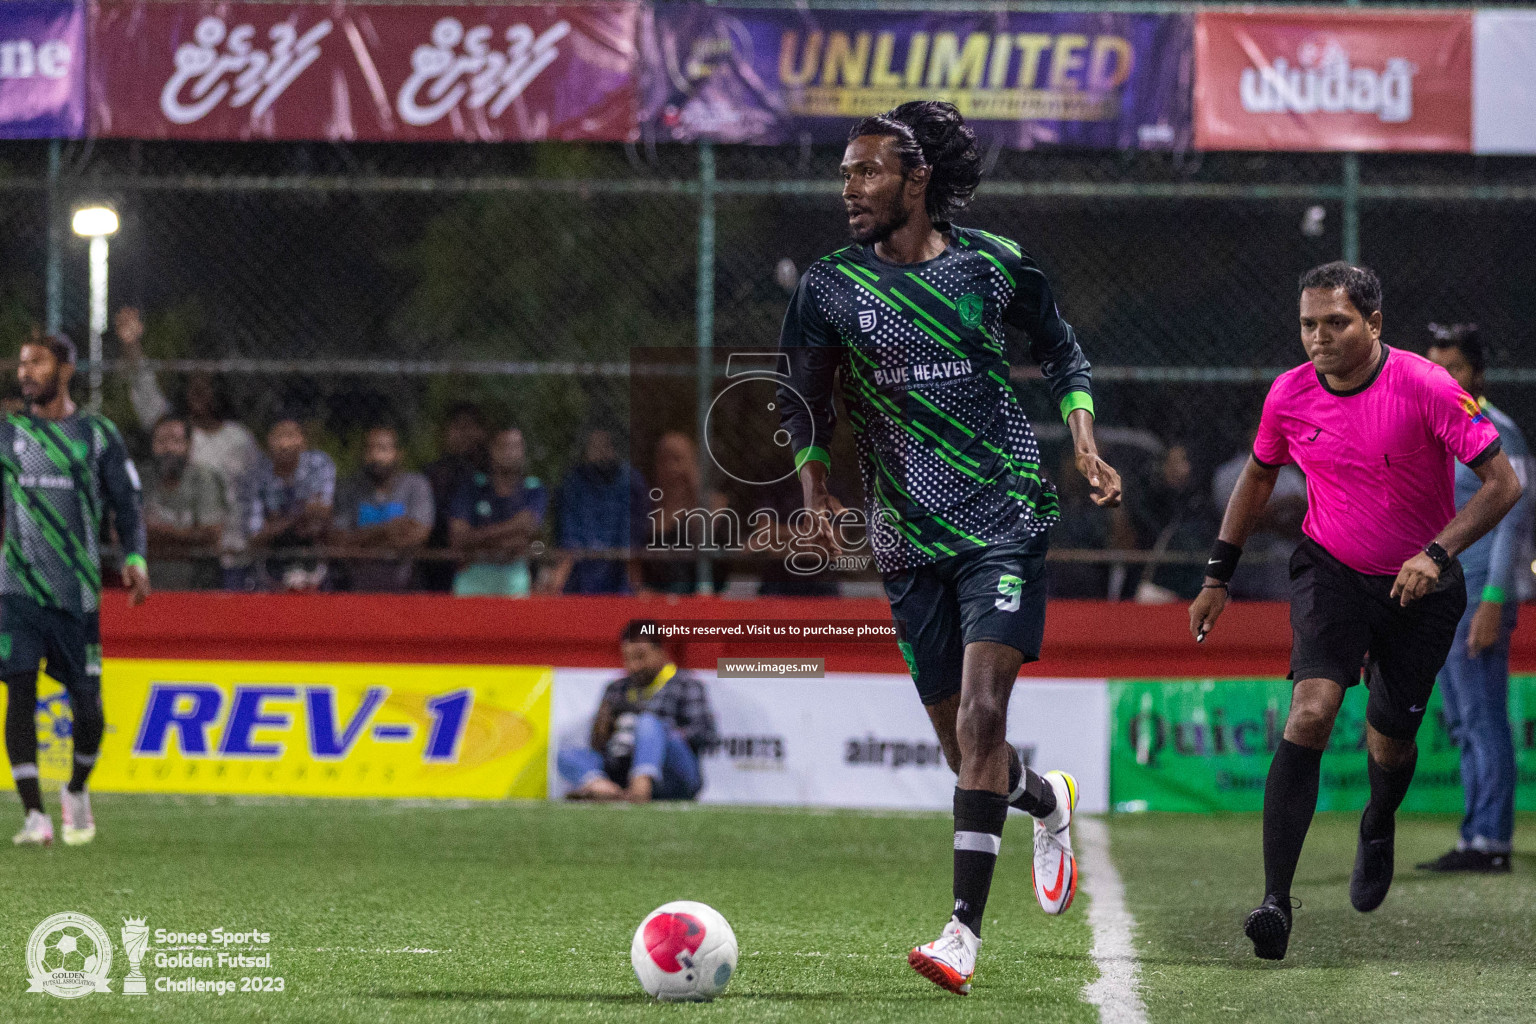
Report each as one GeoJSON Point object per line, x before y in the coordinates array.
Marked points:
{"type": "Point", "coordinates": [364, 72]}
{"type": "Point", "coordinates": [1022, 79]}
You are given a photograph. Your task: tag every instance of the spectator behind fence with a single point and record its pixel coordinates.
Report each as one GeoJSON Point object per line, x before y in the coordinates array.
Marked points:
{"type": "Point", "coordinates": [382, 508]}
{"type": "Point", "coordinates": [186, 508]}
{"type": "Point", "coordinates": [601, 503]}
{"type": "Point", "coordinates": [1084, 525]}
{"type": "Point", "coordinates": [677, 521]}
{"type": "Point", "coordinates": [1172, 515]}
{"type": "Point", "coordinates": [1277, 536]}
{"type": "Point", "coordinates": [493, 521]}
{"type": "Point", "coordinates": [218, 442]}
{"type": "Point", "coordinates": [650, 728]}
{"type": "Point", "coordinates": [463, 455]}
{"type": "Point", "coordinates": [287, 499]}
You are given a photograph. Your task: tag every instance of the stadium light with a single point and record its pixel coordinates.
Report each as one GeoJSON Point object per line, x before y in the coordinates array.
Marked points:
{"type": "Point", "coordinates": [96, 223]}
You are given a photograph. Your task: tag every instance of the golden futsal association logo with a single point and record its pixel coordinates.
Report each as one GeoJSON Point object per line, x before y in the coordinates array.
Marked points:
{"type": "Point", "coordinates": [69, 955]}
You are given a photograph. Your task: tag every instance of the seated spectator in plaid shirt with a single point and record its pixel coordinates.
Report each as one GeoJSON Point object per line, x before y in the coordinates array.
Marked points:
{"type": "Point", "coordinates": [650, 728]}
{"type": "Point", "coordinates": [287, 501]}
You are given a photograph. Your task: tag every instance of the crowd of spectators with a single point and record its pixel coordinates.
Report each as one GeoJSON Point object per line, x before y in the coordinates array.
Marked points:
{"type": "Point", "coordinates": [226, 509]}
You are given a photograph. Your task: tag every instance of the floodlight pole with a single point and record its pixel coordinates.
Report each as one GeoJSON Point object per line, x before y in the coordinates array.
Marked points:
{"type": "Point", "coordinates": [98, 314]}
{"type": "Point", "coordinates": [1351, 220]}
{"type": "Point", "coordinates": [53, 281]}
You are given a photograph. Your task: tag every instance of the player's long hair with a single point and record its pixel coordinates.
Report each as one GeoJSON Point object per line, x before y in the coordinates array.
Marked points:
{"type": "Point", "coordinates": [932, 133]}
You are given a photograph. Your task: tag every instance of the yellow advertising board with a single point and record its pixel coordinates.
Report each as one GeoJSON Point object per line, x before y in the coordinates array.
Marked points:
{"type": "Point", "coordinates": [311, 729]}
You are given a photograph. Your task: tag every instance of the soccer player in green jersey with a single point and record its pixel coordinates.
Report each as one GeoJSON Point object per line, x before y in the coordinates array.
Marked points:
{"type": "Point", "coordinates": [63, 469]}
{"type": "Point", "coordinates": [910, 320]}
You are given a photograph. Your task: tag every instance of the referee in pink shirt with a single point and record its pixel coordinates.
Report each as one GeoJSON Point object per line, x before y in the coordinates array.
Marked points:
{"type": "Point", "coordinates": [1375, 585]}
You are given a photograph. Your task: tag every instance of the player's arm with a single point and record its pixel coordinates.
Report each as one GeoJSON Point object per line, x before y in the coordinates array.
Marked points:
{"type": "Point", "coordinates": [120, 486]}
{"type": "Point", "coordinates": [1499, 491]}
{"type": "Point", "coordinates": [806, 411]}
{"type": "Point", "coordinates": [1053, 346]}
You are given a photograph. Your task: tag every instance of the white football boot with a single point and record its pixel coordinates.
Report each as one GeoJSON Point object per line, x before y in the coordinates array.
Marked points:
{"type": "Point", "coordinates": [950, 960]}
{"type": "Point", "coordinates": [1055, 869]}
{"type": "Point", "coordinates": [79, 825]}
{"type": "Point", "coordinates": [36, 830]}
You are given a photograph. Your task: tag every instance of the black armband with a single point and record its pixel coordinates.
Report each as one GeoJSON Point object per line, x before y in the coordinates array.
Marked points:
{"type": "Point", "coordinates": [1223, 561]}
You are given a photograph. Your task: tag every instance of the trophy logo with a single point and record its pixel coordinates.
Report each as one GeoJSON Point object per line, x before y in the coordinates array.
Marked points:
{"type": "Point", "coordinates": [135, 943]}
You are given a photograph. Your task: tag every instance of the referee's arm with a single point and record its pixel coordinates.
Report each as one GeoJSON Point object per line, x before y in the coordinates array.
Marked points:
{"type": "Point", "coordinates": [1244, 510]}
{"type": "Point", "coordinates": [1498, 494]}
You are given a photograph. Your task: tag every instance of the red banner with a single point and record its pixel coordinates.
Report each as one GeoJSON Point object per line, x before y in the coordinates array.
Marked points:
{"type": "Point", "coordinates": [1320, 80]}
{"type": "Point", "coordinates": [363, 73]}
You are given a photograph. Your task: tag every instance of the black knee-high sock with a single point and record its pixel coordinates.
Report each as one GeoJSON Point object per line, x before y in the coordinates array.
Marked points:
{"type": "Point", "coordinates": [89, 725]}
{"type": "Point", "coordinates": [21, 738]}
{"type": "Point", "coordinates": [1388, 787]}
{"type": "Point", "coordinates": [1028, 791]}
{"type": "Point", "coordinates": [1290, 798]}
{"type": "Point", "coordinates": [979, 817]}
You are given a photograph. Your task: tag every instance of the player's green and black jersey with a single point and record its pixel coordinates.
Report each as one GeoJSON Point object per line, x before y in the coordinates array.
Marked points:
{"type": "Point", "coordinates": [949, 460]}
{"type": "Point", "coordinates": [60, 476]}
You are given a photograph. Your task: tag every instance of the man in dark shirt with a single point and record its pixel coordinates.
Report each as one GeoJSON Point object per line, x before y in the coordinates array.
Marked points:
{"type": "Point", "coordinates": [910, 319]}
{"type": "Point", "coordinates": [650, 728]}
{"type": "Point", "coordinates": [63, 470]}
{"type": "Point", "coordinates": [463, 455]}
{"type": "Point", "coordinates": [493, 520]}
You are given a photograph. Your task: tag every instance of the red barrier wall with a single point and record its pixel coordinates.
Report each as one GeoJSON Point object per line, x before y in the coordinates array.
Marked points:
{"type": "Point", "coordinates": [1082, 638]}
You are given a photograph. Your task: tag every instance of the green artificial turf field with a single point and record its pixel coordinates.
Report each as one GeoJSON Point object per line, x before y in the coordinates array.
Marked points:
{"type": "Point", "coordinates": [442, 912]}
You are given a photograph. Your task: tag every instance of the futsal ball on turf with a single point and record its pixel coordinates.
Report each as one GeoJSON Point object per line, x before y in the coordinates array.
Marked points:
{"type": "Point", "coordinates": [684, 952]}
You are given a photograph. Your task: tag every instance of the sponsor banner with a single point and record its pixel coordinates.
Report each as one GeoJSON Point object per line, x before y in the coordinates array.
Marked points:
{"type": "Point", "coordinates": [854, 739]}
{"type": "Point", "coordinates": [1503, 85]}
{"type": "Point", "coordinates": [363, 73]}
{"type": "Point", "coordinates": [1204, 745]}
{"type": "Point", "coordinates": [1021, 79]}
{"type": "Point", "coordinates": [299, 729]}
{"type": "Point", "coordinates": [1321, 80]}
{"type": "Point", "coordinates": [42, 70]}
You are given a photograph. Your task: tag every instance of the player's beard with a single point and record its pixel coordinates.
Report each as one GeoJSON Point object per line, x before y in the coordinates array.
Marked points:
{"type": "Point", "coordinates": [44, 393]}
{"type": "Point", "coordinates": [894, 220]}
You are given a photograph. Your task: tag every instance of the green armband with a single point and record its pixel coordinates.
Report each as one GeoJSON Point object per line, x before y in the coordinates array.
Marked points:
{"type": "Point", "coordinates": [135, 562]}
{"type": "Point", "coordinates": [812, 454]}
{"type": "Point", "coordinates": [1076, 400]}
{"type": "Point", "coordinates": [1493, 594]}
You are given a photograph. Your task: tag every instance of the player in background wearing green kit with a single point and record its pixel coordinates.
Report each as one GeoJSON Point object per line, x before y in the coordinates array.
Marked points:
{"type": "Point", "coordinates": [63, 470]}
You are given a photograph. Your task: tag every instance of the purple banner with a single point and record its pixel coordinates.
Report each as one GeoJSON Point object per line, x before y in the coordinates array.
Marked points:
{"type": "Point", "coordinates": [1100, 81]}
{"type": "Point", "coordinates": [42, 69]}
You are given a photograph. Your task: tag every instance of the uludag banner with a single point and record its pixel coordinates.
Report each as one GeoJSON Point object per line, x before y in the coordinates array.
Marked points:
{"type": "Point", "coordinates": [363, 73]}
{"type": "Point", "coordinates": [1022, 79]}
{"type": "Point", "coordinates": [1320, 80]}
{"type": "Point", "coordinates": [42, 70]}
{"type": "Point", "coordinates": [1504, 82]}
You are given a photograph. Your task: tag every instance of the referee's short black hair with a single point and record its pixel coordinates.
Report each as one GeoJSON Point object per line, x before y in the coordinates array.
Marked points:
{"type": "Point", "coordinates": [1360, 283]}
{"type": "Point", "coordinates": [1463, 337]}
{"type": "Point", "coordinates": [642, 631]}
{"type": "Point", "coordinates": [932, 133]}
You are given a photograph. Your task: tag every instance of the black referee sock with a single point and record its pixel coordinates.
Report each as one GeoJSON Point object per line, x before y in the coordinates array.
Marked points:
{"type": "Point", "coordinates": [979, 817]}
{"type": "Point", "coordinates": [1388, 787]}
{"type": "Point", "coordinates": [1028, 791]}
{"type": "Point", "coordinates": [1290, 798]}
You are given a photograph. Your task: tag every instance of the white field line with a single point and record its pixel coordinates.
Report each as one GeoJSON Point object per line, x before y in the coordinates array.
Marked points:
{"type": "Point", "coordinates": [1117, 992]}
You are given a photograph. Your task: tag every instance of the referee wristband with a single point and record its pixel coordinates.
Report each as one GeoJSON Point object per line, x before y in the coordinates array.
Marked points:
{"type": "Point", "coordinates": [1223, 561]}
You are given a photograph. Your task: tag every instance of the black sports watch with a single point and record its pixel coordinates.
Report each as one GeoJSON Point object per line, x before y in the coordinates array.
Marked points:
{"type": "Point", "coordinates": [1438, 555]}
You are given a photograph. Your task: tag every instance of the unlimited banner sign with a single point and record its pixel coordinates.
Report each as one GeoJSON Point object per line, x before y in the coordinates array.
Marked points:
{"type": "Point", "coordinates": [1205, 745]}
{"type": "Point", "coordinates": [299, 729]}
{"type": "Point", "coordinates": [412, 73]}
{"type": "Point", "coordinates": [1024, 79]}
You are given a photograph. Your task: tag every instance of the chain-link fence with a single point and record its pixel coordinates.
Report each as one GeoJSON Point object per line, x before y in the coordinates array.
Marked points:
{"type": "Point", "coordinates": [351, 285]}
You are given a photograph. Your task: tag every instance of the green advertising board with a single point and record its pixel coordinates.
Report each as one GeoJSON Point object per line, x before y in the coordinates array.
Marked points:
{"type": "Point", "coordinates": [1205, 745]}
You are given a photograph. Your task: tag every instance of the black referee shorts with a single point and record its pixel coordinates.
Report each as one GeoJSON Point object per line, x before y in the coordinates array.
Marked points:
{"type": "Point", "coordinates": [1344, 622]}
{"type": "Point", "coordinates": [993, 593]}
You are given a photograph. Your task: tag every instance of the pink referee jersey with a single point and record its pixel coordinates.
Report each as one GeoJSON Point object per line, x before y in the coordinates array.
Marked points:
{"type": "Point", "coordinates": [1378, 459]}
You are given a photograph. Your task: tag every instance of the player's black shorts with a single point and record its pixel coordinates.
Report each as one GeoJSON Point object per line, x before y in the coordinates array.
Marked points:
{"type": "Point", "coordinates": [994, 593]}
{"type": "Point", "coordinates": [70, 645]}
{"type": "Point", "coordinates": [1343, 621]}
